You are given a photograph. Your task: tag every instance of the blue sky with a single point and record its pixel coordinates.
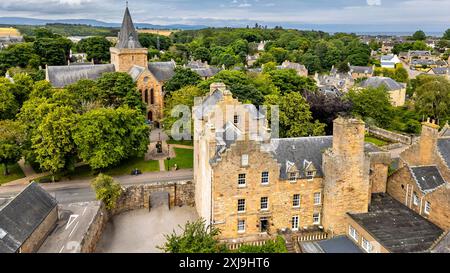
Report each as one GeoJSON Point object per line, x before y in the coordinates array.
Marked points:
{"type": "Point", "coordinates": [393, 15]}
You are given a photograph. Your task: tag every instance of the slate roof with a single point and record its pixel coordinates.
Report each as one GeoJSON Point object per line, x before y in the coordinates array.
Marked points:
{"type": "Point", "coordinates": [361, 69]}
{"type": "Point", "coordinates": [443, 145]}
{"type": "Point", "coordinates": [440, 70]}
{"type": "Point", "coordinates": [208, 104]}
{"type": "Point", "coordinates": [163, 71]}
{"type": "Point", "coordinates": [61, 76]}
{"type": "Point", "coordinates": [376, 82]}
{"type": "Point", "coordinates": [135, 71]}
{"type": "Point", "coordinates": [339, 244]}
{"type": "Point", "coordinates": [128, 37]}
{"type": "Point", "coordinates": [206, 72]}
{"type": "Point", "coordinates": [419, 53]}
{"type": "Point", "coordinates": [428, 178]}
{"type": "Point", "coordinates": [422, 62]}
{"type": "Point", "coordinates": [22, 215]}
{"type": "Point", "coordinates": [445, 132]}
{"type": "Point", "coordinates": [224, 138]}
{"type": "Point", "coordinates": [396, 227]}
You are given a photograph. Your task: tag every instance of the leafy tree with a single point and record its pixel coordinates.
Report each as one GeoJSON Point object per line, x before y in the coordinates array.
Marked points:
{"type": "Point", "coordinates": [419, 36]}
{"type": "Point", "coordinates": [42, 89]}
{"type": "Point", "coordinates": [295, 118]}
{"type": "Point", "coordinates": [228, 60]}
{"type": "Point", "coordinates": [53, 51]}
{"type": "Point", "coordinates": [150, 40]}
{"type": "Point", "coordinates": [23, 85]}
{"type": "Point", "coordinates": [85, 90]}
{"type": "Point", "coordinates": [106, 136]}
{"type": "Point", "coordinates": [279, 54]}
{"type": "Point", "coordinates": [53, 143]}
{"type": "Point", "coordinates": [374, 45]}
{"type": "Point", "coordinates": [96, 48]}
{"type": "Point", "coordinates": [326, 108]}
{"type": "Point", "coordinates": [11, 141]}
{"type": "Point", "coordinates": [183, 96]}
{"type": "Point", "coordinates": [196, 237]}
{"type": "Point", "coordinates": [372, 103]}
{"type": "Point", "coordinates": [106, 190]}
{"type": "Point", "coordinates": [343, 67]}
{"type": "Point", "coordinates": [117, 89]}
{"type": "Point", "coordinates": [183, 77]}
{"type": "Point", "coordinates": [446, 35]}
{"type": "Point", "coordinates": [287, 80]}
{"type": "Point", "coordinates": [311, 62]}
{"type": "Point", "coordinates": [203, 54]}
{"type": "Point", "coordinates": [265, 58]}
{"type": "Point", "coordinates": [433, 98]}
{"type": "Point", "coordinates": [8, 103]}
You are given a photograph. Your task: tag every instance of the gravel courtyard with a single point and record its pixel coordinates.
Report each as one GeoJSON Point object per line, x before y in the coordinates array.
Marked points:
{"type": "Point", "coordinates": [142, 231]}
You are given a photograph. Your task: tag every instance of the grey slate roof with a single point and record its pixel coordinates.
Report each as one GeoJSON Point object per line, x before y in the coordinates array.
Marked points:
{"type": "Point", "coordinates": [224, 138]}
{"type": "Point", "coordinates": [422, 62]}
{"type": "Point", "coordinates": [163, 71]}
{"type": "Point", "coordinates": [208, 104]}
{"type": "Point", "coordinates": [128, 37]}
{"type": "Point", "coordinates": [300, 151]}
{"type": "Point", "coordinates": [443, 145]}
{"type": "Point", "coordinates": [22, 215]}
{"type": "Point", "coordinates": [445, 132]}
{"type": "Point", "coordinates": [428, 178]}
{"type": "Point", "coordinates": [376, 82]}
{"type": "Point", "coordinates": [396, 227]}
{"type": "Point", "coordinates": [361, 69]}
{"type": "Point", "coordinates": [61, 76]}
{"type": "Point", "coordinates": [206, 72]}
{"type": "Point", "coordinates": [339, 244]}
{"type": "Point", "coordinates": [440, 70]}
{"type": "Point", "coordinates": [135, 71]}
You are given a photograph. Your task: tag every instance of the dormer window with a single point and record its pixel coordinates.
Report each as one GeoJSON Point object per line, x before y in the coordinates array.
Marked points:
{"type": "Point", "coordinates": [310, 174]}
{"type": "Point", "coordinates": [236, 119]}
{"type": "Point", "coordinates": [292, 177]}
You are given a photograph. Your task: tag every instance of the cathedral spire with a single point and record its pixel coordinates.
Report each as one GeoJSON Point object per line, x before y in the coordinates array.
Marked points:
{"type": "Point", "coordinates": [128, 37]}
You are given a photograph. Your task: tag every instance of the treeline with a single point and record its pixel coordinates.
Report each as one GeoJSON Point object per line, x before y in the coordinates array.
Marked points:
{"type": "Point", "coordinates": [68, 30]}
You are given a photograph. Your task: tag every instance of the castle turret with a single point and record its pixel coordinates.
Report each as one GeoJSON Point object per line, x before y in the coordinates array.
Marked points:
{"type": "Point", "coordinates": [346, 175]}
{"type": "Point", "coordinates": [128, 51]}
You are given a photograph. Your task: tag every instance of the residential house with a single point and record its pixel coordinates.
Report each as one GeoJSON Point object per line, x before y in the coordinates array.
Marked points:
{"type": "Point", "coordinates": [299, 68]}
{"type": "Point", "coordinates": [360, 72]}
{"type": "Point", "coordinates": [389, 61]}
{"type": "Point", "coordinates": [203, 69]}
{"type": "Point", "coordinates": [396, 90]}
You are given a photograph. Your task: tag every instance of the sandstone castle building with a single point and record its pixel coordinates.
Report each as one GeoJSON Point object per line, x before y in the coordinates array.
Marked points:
{"type": "Point", "coordinates": [254, 187]}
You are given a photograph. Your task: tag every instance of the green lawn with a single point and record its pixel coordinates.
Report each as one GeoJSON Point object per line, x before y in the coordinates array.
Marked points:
{"type": "Point", "coordinates": [376, 141]}
{"type": "Point", "coordinates": [15, 172]}
{"type": "Point", "coordinates": [180, 142]}
{"type": "Point", "coordinates": [184, 159]}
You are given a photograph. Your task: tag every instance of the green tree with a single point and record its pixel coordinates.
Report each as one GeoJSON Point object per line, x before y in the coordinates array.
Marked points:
{"type": "Point", "coordinates": [372, 103]}
{"type": "Point", "coordinates": [277, 246]}
{"type": "Point", "coordinates": [196, 237]}
{"type": "Point", "coordinates": [446, 35]}
{"type": "Point", "coordinates": [287, 80]}
{"type": "Point", "coordinates": [8, 103]}
{"type": "Point", "coordinates": [433, 98]}
{"type": "Point", "coordinates": [11, 142]}
{"type": "Point", "coordinates": [106, 190]}
{"type": "Point", "coordinates": [265, 58]}
{"type": "Point", "coordinates": [419, 36]}
{"type": "Point", "coordinates": [280, 54]}
{"type": "Point", "coordinates": [295, 118]}
{"type": "Point", "coordinates": [42, 89]}
{"type": "Point", "coordinates": [203, 54]}
{"type": "Point", "coordinates": [23, 85]}
{"type": "Point", "coordinates": [106, 136]}
{"type": "Point", "coordinates": [53, 51]}
{"type": "Point", "coordinates": [183, 77]}
{"type": "Point", "coordinates": [53, 143]}
{"type": "Point", "coordinates": [96, 48]}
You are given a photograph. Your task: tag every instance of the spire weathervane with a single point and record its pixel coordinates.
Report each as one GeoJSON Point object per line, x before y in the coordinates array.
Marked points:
{"type": "Point", "coordinates": [127, 3]}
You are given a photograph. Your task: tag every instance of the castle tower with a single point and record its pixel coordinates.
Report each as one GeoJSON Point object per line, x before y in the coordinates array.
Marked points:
{"type": "Point", "coordinates": [346, 175]}
{"type": "Point", "coordinates": [427, 142]}
{"type": "Point", "coordinates": [128, 51]}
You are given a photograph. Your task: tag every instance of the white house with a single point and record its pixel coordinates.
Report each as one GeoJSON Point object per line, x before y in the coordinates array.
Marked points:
{"type": "Point", "coordinates": [389, 61]}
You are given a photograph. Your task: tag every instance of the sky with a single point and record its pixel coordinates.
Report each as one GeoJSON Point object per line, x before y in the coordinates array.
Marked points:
{"type": "Point", "coordinates": [392, 15]}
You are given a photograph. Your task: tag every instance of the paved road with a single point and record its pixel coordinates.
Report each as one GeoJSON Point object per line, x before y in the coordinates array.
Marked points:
{"type": "Point", "coordinates": [80, 190]}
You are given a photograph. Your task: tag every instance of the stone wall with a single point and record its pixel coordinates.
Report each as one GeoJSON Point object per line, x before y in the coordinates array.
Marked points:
{"type": "Point", "coordinates": [388, 135]}
{"type": "Point", "coordinates": [39, 235]}
{"type": "Point", "coordinates": [136, 197]}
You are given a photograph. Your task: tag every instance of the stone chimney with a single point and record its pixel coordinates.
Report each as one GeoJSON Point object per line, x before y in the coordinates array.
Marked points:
{"type": "Point", "coordinates": [346, 175]}
{"type": "Point", "coordinates": [218, 86]}
{"type": "Point", "coordinates": [427, 141]}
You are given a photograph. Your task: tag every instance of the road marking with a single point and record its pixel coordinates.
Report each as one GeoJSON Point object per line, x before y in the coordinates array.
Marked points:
{"type": "Point", "coordinates": [72, 219]}
{"type": "Point", "coordinates": [70, 234]}
{"type": "Point", "coordinates": [62, 248]}
{"type": "Point", "coordinates": [84, 211]}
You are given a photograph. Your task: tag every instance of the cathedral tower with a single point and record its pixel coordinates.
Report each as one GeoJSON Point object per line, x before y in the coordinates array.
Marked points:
{"type": "Point", "coordinates": [128, 51]}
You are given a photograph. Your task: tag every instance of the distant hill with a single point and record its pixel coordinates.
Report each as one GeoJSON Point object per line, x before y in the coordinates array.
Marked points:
{"type": "Point", "coordinates": [96, 23]}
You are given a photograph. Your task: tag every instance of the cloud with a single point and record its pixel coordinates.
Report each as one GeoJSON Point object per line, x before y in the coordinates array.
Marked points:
{"type": "Point", "coordinates": [374, 2]}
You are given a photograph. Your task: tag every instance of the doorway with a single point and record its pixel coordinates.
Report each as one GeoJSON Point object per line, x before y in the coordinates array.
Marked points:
{"type": "Point", "coordinates": [264, 224]}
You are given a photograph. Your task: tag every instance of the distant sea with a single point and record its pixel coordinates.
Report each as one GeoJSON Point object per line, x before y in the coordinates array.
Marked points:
{"type": "Point", "coordinates": [393, 33]}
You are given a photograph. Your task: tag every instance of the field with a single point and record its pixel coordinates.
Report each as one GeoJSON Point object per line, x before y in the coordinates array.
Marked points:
{"type": "Point", "coordinates": [184, 159]}
{"type": "Point", "coordinates": [163, 32]}
{"type": "Point", "coordinates": [7, 31]}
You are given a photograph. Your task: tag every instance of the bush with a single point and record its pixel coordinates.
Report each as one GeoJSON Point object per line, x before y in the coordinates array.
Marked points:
{"type": "Point", "coordinates": [277, 246]}
{"type": "Point", "coordinates": [106, 190]}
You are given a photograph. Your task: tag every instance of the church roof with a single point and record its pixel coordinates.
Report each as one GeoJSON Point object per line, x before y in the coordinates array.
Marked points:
{"type": "Point", "coordinates": [128, 37]}
{"type": "Point", "coordinates": [163, 71]}
{"type": "Point", "coordinates": [23, 215]}
{"type": "Point", "coordinates": [61, 76]}
{"type": "Point", "coordinates": [135, 71]}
